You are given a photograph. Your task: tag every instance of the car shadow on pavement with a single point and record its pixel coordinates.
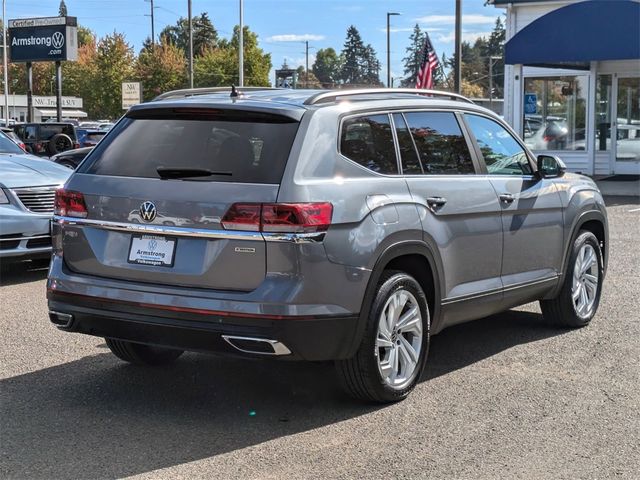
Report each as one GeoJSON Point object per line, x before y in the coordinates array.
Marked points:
{"type": "Point", "coordinates": [97, 417]}
{"type": "Point", "coordinates": [14, 273]}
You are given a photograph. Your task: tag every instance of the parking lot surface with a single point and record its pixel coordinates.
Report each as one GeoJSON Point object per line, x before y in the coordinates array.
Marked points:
{"type": "Point", "coordinates": [506, 396]}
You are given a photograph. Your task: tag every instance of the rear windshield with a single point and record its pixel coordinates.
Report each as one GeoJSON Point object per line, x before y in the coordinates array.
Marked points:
{"type": "Point", "coordinates": [47, 131]}
{"type": "Point", "coordinates": [241, 146]}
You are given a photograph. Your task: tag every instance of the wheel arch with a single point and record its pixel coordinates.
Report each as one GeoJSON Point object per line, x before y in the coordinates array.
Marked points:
{"type": "Point", "coordinates": [410, 257]}
{"type": "Point", "coordinates": [595, 222]}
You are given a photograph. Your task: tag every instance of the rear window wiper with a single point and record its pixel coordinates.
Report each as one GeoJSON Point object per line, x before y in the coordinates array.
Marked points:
{"type": "Point", "coordinates": [177, 172]}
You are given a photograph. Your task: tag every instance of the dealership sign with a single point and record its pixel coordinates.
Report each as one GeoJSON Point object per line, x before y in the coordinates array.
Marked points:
{"type": "Point", "coordinates": [43, 39]}
{"type": "Point", "coordinates": [131, 94]}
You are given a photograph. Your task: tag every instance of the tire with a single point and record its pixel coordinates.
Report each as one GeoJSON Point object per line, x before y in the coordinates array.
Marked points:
{"type": "Point", "coordinates": [140, 354]}
{"type": "Point", "coordinates": [362, 375]}
{"type": "Point", "coordinates": [67, 163]}
{"type": "Point", "coordinates": [59, 143]}
{"type": "Point", "coordinates": [563, 311]}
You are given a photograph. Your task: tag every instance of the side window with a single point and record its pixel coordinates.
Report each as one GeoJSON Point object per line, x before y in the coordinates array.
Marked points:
{"type": "Point", "coordinates": [30, 132]}
{"type": "Point", "coordinates": [442, 149]}
{"type": "Point", "coordinates": [367, 140]}
{"type": "Point", "coordinates": [410, 161]}
{"type": "Point", "coordinates": [502, 154]}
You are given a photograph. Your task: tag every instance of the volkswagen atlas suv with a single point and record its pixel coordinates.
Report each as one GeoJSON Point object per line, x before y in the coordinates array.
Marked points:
{"type": "Point", "coordinates": [340, 225]}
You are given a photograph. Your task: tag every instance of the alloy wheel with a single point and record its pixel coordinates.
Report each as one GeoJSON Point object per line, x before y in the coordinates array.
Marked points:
{"type": "Point", "coordinates": [584, 289]}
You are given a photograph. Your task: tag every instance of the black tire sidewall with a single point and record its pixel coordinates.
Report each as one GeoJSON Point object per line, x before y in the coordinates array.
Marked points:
{"type": "Point", "coordinates": [387, 287]}
{"type": "Point", "coordinates": [52, 147]}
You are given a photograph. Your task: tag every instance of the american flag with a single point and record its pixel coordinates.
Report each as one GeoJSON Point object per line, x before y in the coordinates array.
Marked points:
{"type": "Point", "coordinates": [428, 65]}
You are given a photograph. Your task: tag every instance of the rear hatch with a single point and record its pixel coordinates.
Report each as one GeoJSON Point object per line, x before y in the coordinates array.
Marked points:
{"type": "Point", "coordinates": [156, 190]}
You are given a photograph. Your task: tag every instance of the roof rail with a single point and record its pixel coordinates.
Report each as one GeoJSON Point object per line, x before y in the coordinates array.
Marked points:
{"type": "Point", "coordinates": [333, 95]}
{"type": "Point", "coordinates": [190, 92]}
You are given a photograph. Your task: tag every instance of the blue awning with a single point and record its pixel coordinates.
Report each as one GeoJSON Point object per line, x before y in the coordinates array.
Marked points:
{"type": "Point", "coordinates": [579, 33]}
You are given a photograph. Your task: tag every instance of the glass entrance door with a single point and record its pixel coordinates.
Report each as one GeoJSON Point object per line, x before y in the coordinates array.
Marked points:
{"type": "Point", "coordinates": [627, 145]}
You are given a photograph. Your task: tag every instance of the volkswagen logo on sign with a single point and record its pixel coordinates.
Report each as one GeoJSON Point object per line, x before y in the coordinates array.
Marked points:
{"type": "Point", "coordinates": [148, 211]}
{"type": "Point", "coordinates": [57, 40]}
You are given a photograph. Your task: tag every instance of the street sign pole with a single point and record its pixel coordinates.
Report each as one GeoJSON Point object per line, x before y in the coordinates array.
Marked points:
{"type": "Point", "coordinates": [29, 92]}
{"type": "Point", "coordinates": [59, 91]}
{"type": "Point", "coordinates": [5, 63]}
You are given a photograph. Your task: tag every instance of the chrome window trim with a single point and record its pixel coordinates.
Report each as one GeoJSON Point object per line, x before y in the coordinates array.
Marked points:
{"type": "Point", "coordinates": [168, 230]}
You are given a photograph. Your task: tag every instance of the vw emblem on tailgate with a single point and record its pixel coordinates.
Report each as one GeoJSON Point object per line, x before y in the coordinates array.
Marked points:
{"type": "Point", "coordinates": [148, 211]}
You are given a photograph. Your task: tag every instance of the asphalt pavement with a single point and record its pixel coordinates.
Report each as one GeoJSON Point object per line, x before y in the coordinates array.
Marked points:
{"type": "Point", "coordinates": [502, 397]}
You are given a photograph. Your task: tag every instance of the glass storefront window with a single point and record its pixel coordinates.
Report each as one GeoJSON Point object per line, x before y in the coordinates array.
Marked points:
{"type": "Point", "coordinates": [603, 113]}
{"type": "Point", "coordinates": [555, 113]}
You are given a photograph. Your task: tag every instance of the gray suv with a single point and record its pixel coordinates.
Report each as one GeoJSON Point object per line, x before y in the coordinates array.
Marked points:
{"type": "Point", "coordinates": [318, 225]}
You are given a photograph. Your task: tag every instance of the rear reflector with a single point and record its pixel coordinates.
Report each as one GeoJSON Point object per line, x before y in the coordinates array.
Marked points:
{"type": "Point", "coordinates": [279, 217]}
{"type": "Point", "coordinates": [70, 204]}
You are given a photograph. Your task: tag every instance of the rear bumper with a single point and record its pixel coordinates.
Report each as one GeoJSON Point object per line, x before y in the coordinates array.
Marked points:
{"type": "Point", "coordinates": [307, 338]}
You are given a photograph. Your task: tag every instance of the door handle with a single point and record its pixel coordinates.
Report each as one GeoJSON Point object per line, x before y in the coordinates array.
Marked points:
{"type": "Point", "coordinates": [506, 198]}
{"type": "Point", "coordinates": [436, 202]}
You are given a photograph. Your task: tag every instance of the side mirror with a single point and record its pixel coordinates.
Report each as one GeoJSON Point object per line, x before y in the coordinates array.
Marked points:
{"type": "Point", "coordinates": [550, 166]}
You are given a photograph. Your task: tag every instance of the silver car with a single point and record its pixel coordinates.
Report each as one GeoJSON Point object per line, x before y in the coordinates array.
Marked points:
{"type": "Point", "coordinates": [27, 192]}
{"type": "Point", "coordinates": [340, 225]}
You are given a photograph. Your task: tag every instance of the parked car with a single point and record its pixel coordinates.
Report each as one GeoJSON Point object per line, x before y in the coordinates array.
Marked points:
{"type": "Point", "coordinates": [27, 191]}
{"type": "Point", "coordinates": [88, 137]}
{"type": "Point", "coordinates": [71, 158]}
{"type": "Point", "coordinates": [46, 139]}
{"type": "Point", "coordinates": [8, 131]}
{"type": "Point", "coordinates": [341, 225]}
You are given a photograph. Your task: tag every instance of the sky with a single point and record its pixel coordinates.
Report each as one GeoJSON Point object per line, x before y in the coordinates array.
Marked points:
{"type": "Point", "coordinates": [283, 25]}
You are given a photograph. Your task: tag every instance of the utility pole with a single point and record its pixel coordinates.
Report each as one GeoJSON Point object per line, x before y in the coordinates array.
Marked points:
{"type": "Point", "coordinates": [457, 77]}
{"type": "Point", "coordinates": [5, 63]}
{"type": "Point", "coordinates": [491, 59]}
{"type": "Point", "coordinates": [389, 14]}
{"type": "Point", "coordinates": [241, 47]}
{"type": "Point", "coordinates": [306, 64]}
{"type": "Point", "coordinates": [153, 33]}
{"type": "Point", "coordinates": [190, 44]}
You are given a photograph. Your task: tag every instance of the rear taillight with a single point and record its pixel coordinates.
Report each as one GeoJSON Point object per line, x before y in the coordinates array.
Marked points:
{"type": "Point", "coordinates": [70, 204]}
{"type": "Point", "coordinates": [23, 146]}
{"type": "Point", "coordinates": [77, 145]}
{"type": "Point", "coordinates": [279, 217]}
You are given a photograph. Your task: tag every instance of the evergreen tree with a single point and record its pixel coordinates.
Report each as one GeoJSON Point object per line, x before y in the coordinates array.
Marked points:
{"type": "Point", "coordinates": [371, 66]}
{"type": "Point", "coordinates": [204, 34]}
{"type": "Point", "coordinates": [327, 67]}
{"type": "Point", "coordinates": [351, 71]}
{"type": "Point", "coordinates": [414, 57]}
{"type": "Point", "coordinates": [114, 64]}
{"type": "Point", "coordinates": [62, 10]}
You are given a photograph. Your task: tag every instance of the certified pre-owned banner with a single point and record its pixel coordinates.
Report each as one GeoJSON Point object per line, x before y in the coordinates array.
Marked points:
{"type": "Point", "coordinates": [43, 39]}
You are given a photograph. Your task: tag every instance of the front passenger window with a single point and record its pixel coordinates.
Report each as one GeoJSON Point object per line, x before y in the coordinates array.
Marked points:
{"type": "Point", "coordinates": [502, 154]}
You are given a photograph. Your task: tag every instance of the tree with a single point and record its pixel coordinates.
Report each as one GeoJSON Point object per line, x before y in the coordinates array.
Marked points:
{"type": "Point", "coordinates": [62, 10]}
{"type": "Point", "coordinates": [85, 36]}
{"type": "Point", "coordinates": [414, 57]}
{"type": "Point", "coordinates": [204, 34]}
{"type": "Point", "coordinates": [352, 53]}
{"type": "Point", "coordinates": [219, 66]}
{"type": "Point", "coordinates": [161, 68]}
{"type": "Point", "coordinates": [371, 66]}
{"type": "Point", "coordinates": [327, 67]}
{"type": "Point", "coordinates": [306, 79]}
{"type": "Point", "coordinates": [495, 48]}
{"type": "Point", "coordinates": [81, 77]}
{"type": "Point", "coordinates": [114, 64]}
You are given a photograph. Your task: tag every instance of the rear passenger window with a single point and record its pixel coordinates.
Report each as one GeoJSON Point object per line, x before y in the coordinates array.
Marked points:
{"type": "Point", "coordinates": [367, 140]}
{"type": "Point", "coordinates": [441, 146]}
{"type": "Point", "coordinates": [408, 155]}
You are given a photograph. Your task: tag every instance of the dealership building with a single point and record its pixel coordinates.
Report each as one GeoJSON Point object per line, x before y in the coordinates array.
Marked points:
{"type": "Point", "coordinates": [572, 81]}
{"type": "Point", "coordinates": [44, 108]}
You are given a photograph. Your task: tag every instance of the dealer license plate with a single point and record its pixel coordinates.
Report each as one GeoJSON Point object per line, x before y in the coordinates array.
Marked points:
{"type": "Point", "coordinates": [152, 250]}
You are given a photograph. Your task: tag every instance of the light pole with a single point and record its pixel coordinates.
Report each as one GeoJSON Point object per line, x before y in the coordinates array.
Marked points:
{"type": "Point", "coordinates": [190, 44]}
{"type": "Point", "coordinates": [241, 47]}
{"type": "Point", "coordinates": [491, 59]}
{"type": "Point", "coordinates": [389, 14]}
{"type": "Point", "coordinates": [4, 63]}
{"type": "Point", "coordinates": [153, 33]}
{"type": "Point", "coordinates": [457, 74]}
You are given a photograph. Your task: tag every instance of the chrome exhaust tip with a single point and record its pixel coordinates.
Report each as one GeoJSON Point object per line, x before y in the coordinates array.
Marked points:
{"type": "Point", "coordinates": [62, 320]}
{"type": "Point", "coordinates": [259, 346]}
